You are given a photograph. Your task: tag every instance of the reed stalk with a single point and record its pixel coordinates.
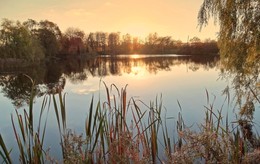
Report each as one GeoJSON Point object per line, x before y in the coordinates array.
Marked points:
{"type": "Point", "coordinates": [122, 130]}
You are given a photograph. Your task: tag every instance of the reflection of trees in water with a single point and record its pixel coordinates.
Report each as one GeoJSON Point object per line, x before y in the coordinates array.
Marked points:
{"type": "Point", "coordinates": [51, 77]}
{"type": "Point", "coordinates": [16, 88]}
{"type": "Point", "coordinates": [74, 70]}
{"type": "Point", "coordinates": [245, 85]}
{"type": "Point", "coordinates": [105, 66]}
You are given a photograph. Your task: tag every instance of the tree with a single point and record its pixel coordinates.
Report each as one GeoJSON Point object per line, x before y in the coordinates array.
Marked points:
{"type": "Point", "coordinates": [49, 35]}
{"type": "Point", "coordinates": [195, 40]}
{"type": "Point", "coordinates": [152, 39]}
{"type": "Point", "coordinates": [18, 42]}
{"type": "Point", "coordinates": [113, 42]}
{"type": "Point", "coordinates": [126, 44]}
{"type": "Point", "coordinates": [136, 45]}
{"type": "Point", "coordinates": [239, 35]}
{"type": "Point", "coordinates": [239, 43]}
{"type": "Point", "coordinates": [31, 25]}
{"type": "Point", "coordinates": [72, 41]}
{"type": "Point", "coordinates": [103, 42]}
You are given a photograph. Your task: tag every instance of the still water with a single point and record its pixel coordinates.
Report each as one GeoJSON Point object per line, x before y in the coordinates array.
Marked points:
{"type": "Point", "coordinates": [182, 79]}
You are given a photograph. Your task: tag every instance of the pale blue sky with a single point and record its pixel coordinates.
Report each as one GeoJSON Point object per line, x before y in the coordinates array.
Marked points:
{"type": "Point", "coordinates": [177, 18]}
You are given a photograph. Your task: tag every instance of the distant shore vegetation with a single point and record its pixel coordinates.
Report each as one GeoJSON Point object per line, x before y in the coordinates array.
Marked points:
{"type": "Point", "coordinates": [34, 41]}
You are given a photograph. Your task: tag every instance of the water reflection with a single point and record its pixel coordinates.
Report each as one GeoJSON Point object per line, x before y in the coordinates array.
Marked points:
{"type": "Point", "coordinates": [17, 88]}
{"type": "Point", "coordinates": [245, 85]}
{"type": "Point", "coordinates": [182, 78]}
{"type": "Point", "coordinates": [51, 77]}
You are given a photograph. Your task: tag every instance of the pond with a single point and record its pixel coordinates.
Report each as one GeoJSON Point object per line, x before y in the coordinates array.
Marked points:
{"type": "Point", "coordinates": [184, 84]}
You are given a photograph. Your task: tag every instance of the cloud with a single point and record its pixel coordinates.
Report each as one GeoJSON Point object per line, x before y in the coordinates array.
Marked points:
{"type": "Point", "coordinates": [84, 91]}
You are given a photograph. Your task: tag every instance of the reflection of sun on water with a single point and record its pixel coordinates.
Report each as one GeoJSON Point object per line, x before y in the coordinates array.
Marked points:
{"type": "Point", "coordinates": [137, 71]}
{"type": "Point", "coordinates": [135, 56]}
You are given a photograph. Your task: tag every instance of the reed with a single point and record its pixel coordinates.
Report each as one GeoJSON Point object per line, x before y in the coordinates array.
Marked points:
{"type": "Point", "coordinates": [4, 153]}
{"type": "Point", "coordinates": [126, 130]}
{"type": "Point", "coordinates": [29, 139]}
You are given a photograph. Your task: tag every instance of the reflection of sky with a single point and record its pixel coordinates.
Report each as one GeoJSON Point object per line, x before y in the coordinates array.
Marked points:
{"type": "Point", "coordinates": [179, 83]}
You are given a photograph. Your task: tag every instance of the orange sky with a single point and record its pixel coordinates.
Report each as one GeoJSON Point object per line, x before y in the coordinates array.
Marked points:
{"type": "Point", "coordinates": [176, 18]}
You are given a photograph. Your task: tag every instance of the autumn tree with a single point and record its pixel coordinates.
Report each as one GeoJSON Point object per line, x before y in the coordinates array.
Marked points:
{"type": "Point", "coordinates": [91, 42]}
{"type": "Point", "coordinates": [136, 44]}
{"type": "Point", "coordinates": [73, 41]}
{"type": "Point", "coordinates": [113, 42]}
{"type": "Point", "coordinates": [101, 42]}
{"type": "Point", "coordinates": [103, 38]}
{"type": "Point", "coordinates": [126, 43]}
{"type": "Point", "coordinates": [164, 44]}
{"type": "Point", "coordinates": [151, 40]}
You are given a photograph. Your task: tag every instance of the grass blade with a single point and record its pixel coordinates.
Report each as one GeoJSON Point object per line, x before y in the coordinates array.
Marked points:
{"type": "Point", "coordinates": [5, 155]}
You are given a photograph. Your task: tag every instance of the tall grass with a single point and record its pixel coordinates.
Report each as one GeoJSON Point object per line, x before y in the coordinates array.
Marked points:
{"type": "Point", "coordinates": [126, 130]}
{"type": "Point", "coordinates": [29, 139]}
{"type": "Point", "coordinates": [4, 153]}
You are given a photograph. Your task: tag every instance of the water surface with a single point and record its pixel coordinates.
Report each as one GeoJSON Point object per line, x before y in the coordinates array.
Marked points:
{"type": "Point", "coordinates": [183, 79]}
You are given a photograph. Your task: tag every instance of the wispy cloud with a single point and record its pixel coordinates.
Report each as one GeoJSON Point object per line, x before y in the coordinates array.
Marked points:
{"type": "Point", "coordinates": [84, 91]}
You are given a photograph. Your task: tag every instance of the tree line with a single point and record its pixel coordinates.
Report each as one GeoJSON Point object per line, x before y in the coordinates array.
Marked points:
{"type": "Point", "coordinates": [34, 41]}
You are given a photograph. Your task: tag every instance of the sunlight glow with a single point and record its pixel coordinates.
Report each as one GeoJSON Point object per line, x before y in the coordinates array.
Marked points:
{"type": "Point", "coordinates": [177, 18]}
{"type": "Point", "coordinates": [136, 29]}
{"type": "Point", "coordinates": [137, 71]}
{"type": "Point", "coordinates": [135, 56]}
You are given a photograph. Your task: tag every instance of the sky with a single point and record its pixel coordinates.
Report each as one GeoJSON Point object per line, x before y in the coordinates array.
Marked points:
{"type": "Point", "coordinates": [176, 18]}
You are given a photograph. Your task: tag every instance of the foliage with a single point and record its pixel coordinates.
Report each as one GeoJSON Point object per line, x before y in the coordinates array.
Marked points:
{"type": "Point", "coordinates": [239, 36]}
{"type": "Point", "coordinates": [73, 42]}
{"type": "Point", "coordinates": [49, 35]}
{"type": "Point", "coordinates": [32, 40]}
{"type": "Point", "coordinates": [29, 40]}
{"type": "Point", "coordinates": [239, 43]}
{"type": "Point", "coordinates": [16, 41]}
{"type": "Point", "coordinates": [114, 43]}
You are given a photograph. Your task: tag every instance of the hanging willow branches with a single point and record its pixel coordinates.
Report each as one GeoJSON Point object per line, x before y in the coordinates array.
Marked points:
{"type": "Point", "coordinates": [239, 35]}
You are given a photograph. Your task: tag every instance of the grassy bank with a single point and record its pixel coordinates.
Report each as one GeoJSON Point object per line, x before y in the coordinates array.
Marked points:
{"type": "Point", "coordinates": [126, 130]}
